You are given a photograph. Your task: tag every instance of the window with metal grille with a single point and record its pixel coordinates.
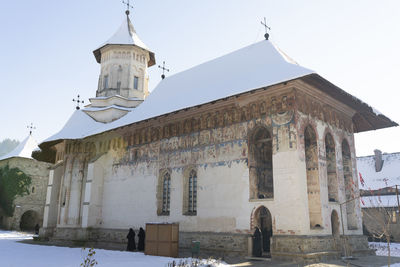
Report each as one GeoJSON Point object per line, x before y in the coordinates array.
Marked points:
{"type": "Point", "coordinates": [166, 193]}
{"type": "Point", "coordinates": [192, 207]}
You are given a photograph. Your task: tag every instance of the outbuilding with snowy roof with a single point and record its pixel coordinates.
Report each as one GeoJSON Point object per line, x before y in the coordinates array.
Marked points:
{"type": "Point", "coordinates": [379, 181]}
{"type": "Point", "coordinates": [29, 209]}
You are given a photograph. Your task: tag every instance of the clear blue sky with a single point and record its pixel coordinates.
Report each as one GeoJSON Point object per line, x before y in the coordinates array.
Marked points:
{"type": "Point", "coordinates": [46, 50]}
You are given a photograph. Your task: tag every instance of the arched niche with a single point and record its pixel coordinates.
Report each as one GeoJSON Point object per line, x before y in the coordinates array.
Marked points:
{"type": "Point", "coordinates": [313, 186]}
{"type": "Point", "coordinates": [260, 164]}
{"type": "Point", "coordinates": [349, 186]}
{"type": "Point", "coordinates": [331, 168]}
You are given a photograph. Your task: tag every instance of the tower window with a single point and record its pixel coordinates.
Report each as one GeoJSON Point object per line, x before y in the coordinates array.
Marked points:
{"type": "Point", "coordinates": [118, 85]}
{"type": "Point", "coordinates": [105, 82]}
{"type": "Point", "coordinates": [135, 82]}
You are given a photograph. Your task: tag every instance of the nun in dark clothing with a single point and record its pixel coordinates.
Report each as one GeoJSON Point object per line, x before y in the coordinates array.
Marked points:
{"type": "Point", "coordinates": [131, 240]}
{"type": "Point", "coordinates": [257, 250]}
{"type": "Point", "coordinates": [141, 236]}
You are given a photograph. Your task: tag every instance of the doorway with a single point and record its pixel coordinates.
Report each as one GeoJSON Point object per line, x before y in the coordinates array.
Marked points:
{"type": "Point", "coordinates": [335, 224]}
{"type": "Point", "coordinates": [29, 220]}
{"type": "Point", "coordinates": [263, 220]}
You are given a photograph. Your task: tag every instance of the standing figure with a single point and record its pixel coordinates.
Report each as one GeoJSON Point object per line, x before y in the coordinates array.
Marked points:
{"type": "Point", "coordinates": [257, 249]}
{"type": "Point", "coordinates": [131, 240]}
{"type": "Point", "coordinates": [141, 236]}
{"type": "Point", "coordinates": [37, 228]}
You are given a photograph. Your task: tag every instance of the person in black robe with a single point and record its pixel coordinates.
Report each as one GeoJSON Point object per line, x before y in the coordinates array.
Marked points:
{"type": "Point", "coordinates": [37, 228]}
{"type": "Point", "coordinates": [131, 240]}
{"type": "Point", "coordinates": [257, 248]}
{"type": "Point", "coordinates": [141, 236]}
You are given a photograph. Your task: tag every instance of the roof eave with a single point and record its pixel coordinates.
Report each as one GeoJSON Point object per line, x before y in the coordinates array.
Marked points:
{"type": "Point", "coordinates": [365, 118]}
{"type": "Point", "coordinates": [97, 53]}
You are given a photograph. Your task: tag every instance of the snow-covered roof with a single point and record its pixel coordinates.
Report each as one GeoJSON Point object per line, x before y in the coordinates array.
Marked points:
{"type": "Point", "coordinates": [379, 201]}
{"type": "Point", "coordinates": [108, 107]}
{"type": "Point", "coordinates": [125, 35]}
{"type": "Point", "coordinates": [388, 176]}
{"type": "Point", "coordinates": [23, 150]}
{"type": "Point", "coordinates": [252, 67]}
{"type": "Point", "coordinates": [259, 65]}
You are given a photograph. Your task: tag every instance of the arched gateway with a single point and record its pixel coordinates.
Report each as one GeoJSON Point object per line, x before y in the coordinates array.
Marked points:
{"type": "Point", "coordinates": [29, 220]}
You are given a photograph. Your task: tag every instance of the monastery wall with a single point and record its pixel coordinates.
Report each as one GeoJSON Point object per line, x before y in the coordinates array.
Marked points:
{"type": "Point", "coordinates": [31, 205]}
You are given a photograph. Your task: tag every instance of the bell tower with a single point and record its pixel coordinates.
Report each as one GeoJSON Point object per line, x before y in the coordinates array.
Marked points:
{"type": "Point", "coordinates": [124, 60]}
{"type": "Point", "coordinates": [123, 80]}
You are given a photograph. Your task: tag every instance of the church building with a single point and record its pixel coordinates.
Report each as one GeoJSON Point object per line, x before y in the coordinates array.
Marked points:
{"type": "Point", "coordinates": [218, 149]}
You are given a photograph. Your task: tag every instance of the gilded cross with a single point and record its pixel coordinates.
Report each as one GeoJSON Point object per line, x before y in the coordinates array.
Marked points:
{"type": "Point", "coordinates": [163, 70]}
{"type": "Point", "coordinates": [78, 102]}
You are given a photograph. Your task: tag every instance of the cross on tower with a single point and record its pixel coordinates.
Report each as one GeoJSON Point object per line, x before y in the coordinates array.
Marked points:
{"type": "Point", "coordinates": [264, 23]}
{"type": "Point", "coordinates": [78, 102]}
{"type": "Point", "coordinates": [128, 6]}
{"type": "Point", "coordinates": [31, 128]}
{"type": "Point", "coordinates": [163, 70]}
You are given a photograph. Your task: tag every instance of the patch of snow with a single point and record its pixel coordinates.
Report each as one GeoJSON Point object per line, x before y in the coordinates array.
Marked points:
{"type": "Point", "coordinates": [13, 253]}
{"type": "Point", "coordinates": [125, 35]}
{"type": "Point", "coordinates": [379, 201]}
{"type": "Point", "coordinates": [108, 107]}
{"type": "Point", "coordinates": [377, 112]}
{"type": "Point", "coordinates": [381, 248]}
{"type": "Point", "coordinates": [388, 176]}
{"type": "Point", "coordinates": [24, 149]}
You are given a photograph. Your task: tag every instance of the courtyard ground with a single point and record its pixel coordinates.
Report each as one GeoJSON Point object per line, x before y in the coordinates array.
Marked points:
{"type": "Point", "coordinates": [14, 253]}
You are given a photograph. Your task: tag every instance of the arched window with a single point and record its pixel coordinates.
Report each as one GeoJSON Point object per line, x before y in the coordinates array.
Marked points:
{"type": "Point", "coordinates": [331, 168]}
{"type": "Point", "coordinates": [349, 186]}
{"type": "Point", "coordinates": [166, 193]}
{"type": "Point", "coordinates": [192, 205]}
{"type": "Point", "coordinates": [260, 164]}
{"type": "Point", "coordinates": [313, 190]}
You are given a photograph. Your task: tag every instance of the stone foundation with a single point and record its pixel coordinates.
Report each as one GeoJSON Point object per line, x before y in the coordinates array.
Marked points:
{"type": "Point", "coordinates": [216, 243]}
{"type": "Point", "coordinates": [210, 243]}
{"type": "Point", "coordinates": [283, 247]}
{"type": "Point", "coordinates": [316, 248]}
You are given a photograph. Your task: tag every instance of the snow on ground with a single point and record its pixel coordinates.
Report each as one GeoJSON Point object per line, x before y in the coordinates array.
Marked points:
{"type": "Point", "coordinates": [382, 250]}
{"type": "Point", "coordinates": [15, 254]}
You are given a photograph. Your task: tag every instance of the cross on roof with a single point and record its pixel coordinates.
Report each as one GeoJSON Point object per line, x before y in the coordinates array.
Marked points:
{"type": "Point", "coordinates": [128, 6]}
{"type": "Point", "coordinates": [77, 102]}
{"type": "Point", "coordinates": [163, 70]}
{"type": "Point", "coordinates": [264, 23]}
{"type": "Point", "coordinates": [31, 128]}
